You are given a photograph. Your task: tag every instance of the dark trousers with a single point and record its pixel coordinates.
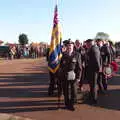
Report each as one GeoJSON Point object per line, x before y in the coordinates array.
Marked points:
{"type": "Point", "coordinates": [93, 76]}
{"type": "Point", "coordinates": [102, 82]}
{"type": "Point", "coordinates": [70, 92]}
{"type": "Point", "coordinates": [52, 82]}
{"type": "Point", "coordinates": [82, 81]}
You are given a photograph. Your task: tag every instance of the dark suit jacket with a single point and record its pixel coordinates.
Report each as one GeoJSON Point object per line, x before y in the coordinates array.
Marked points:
{"type": "Point", "coordinates": [94, 57]}
{"type": "Point", "coordinates": [106, 55]}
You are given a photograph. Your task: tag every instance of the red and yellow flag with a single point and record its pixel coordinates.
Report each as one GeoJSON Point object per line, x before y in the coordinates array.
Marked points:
{"type": "Point", "coordinates": [55, 46]}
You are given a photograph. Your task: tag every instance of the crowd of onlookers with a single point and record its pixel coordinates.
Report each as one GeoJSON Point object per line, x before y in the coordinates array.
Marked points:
{"type": "Point", "coordinates": [22, 51]}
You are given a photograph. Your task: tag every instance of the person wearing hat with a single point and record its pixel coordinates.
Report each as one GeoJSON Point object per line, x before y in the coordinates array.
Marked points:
{"type": "Point", "coordinates": [65, 42]}
{"type": "Point", "coordinates": [64, 46]}
{"type": "Point", "coordinates": [70, 68]}
{"type": "Point", "coordinates": [93, 68]}
{"type": "Point", "coordinates": [106, 61]}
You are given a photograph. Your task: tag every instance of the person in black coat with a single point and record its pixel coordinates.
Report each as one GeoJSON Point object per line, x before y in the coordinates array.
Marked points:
{"type": "Point", "coordinates": [112, 51]}
{"type": "Point", "coordinates": [93, 68]}
{"type": "Point", "coordinates": [106, 61]}
{"type": "Point", "coordinates": [70, 74]}
{"type": "Point", "coordinates": [52, 77]}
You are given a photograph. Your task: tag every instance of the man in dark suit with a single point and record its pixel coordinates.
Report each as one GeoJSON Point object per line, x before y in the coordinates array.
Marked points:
{"type": "Point", "coordinates": [105, 61]}
{"type": "Point", "coordinates": [93, 68]}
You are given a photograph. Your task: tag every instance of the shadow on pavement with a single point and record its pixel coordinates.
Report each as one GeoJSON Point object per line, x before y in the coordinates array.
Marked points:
{"type": "Point", "coordinates": [110, 101]}
{"type": "Point", "coordinates": [29, 106]}
{"type": "Point", "coordinates": [35, 85]}
{"type": "Point", "coordinates": [25, 85]}
{"type": "Point", "coordinates": [16, 110]}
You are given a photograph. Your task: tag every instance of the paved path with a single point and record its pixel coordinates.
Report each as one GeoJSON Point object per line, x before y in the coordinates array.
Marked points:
{"type": "Point", "coordinates": [23, 92]}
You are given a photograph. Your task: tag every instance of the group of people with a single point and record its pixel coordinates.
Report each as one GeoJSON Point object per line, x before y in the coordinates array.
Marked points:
{"type": "Point", "coordinates": [18, 51]}
{"type": "Point", "coordinates": [81, 63]}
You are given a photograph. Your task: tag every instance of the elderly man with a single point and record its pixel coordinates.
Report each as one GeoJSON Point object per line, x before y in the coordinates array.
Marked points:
{"type": "Point", "coordinates": [70, 68]}
{"type": "Point", "coordinates": [94, 65]}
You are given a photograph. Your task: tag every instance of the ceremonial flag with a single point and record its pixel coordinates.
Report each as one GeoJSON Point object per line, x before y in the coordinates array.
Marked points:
{"type": "Point", "coordinates": [55, 46]}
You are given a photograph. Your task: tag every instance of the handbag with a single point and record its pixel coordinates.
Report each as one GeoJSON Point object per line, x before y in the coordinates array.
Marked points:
{"type": "Point", "coordinates": [71, 75]}
{"type": "Point", "coordinates": [108, 71]}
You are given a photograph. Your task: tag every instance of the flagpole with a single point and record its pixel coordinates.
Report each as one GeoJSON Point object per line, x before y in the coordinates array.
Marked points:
{"type": "Point", "coordinates": [59, 83]}
{"type": "Point", "coordinates": [57, 2]}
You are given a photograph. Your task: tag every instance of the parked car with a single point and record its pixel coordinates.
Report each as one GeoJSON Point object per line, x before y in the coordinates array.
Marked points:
{"type": "Point", "coordinates": [5, 51]}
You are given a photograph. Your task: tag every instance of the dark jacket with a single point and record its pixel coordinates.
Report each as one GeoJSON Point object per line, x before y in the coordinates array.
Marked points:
{"type": "Point", "coordinates": [112, 52]}
{"type": "Point", "coordinates": [94, 62]}
{"type": "Point", "coordinates": [69, 63]}
{"type": "Point", "coordinates": [81, 50]}
{"type": "Point", "coordinates": [105, 54]}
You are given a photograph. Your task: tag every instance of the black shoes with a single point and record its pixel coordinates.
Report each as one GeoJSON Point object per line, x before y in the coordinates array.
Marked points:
{"type": "Point", "coordinates": [50, 93]}
{"type": "Point", "coordinates": [70, 107]}
{"type": "Point", "coordinates": [102, 92]}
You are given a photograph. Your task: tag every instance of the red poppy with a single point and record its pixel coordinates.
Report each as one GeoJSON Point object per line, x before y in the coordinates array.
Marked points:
{"type": "Point", "coordinates": [115, 66]}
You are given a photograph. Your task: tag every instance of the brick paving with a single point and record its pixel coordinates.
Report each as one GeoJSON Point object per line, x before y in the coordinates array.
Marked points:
{"type": "Point", "coordinates": [23, 92]}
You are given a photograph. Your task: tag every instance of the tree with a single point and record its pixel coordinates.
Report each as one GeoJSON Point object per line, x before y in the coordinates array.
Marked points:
{"type": "Point", "coordinates": [23, 39]}
{"type": "Point", "coordinates": [102, 35]}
